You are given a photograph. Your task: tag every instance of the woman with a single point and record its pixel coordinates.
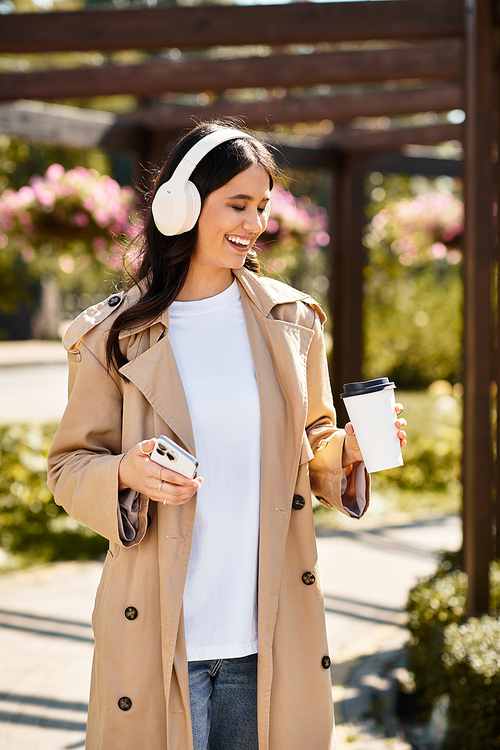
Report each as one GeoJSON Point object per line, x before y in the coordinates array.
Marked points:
{"type": "Point", "coordinates": [200, 577]}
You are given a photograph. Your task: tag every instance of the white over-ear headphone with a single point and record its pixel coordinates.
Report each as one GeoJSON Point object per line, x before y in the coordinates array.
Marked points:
{"type": "Point", "coordinates": [177, 203]}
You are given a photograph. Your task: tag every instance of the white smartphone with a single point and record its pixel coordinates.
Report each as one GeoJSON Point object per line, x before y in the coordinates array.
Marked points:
{"type": "Point", "coordinates": [170, 455]}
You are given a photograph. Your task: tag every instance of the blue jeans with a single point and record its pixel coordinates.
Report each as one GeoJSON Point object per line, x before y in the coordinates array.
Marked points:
{"type": "Point", "coordinates": [223, 698]}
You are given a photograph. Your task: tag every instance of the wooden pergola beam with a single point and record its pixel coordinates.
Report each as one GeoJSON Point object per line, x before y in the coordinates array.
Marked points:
{"type": "Point", "coordinates": [339, 108]}
{"type": "Point", "coordinates": [427, 61]}
{"type": "Point", "coordinates": [66, 126]}
{"type": "Point", "coordinates": [397, 163]}
{"type": "Point", "coordinates": [359, 141]}
{"type": "Point", "coordinates": [72, 126]}
{"type": "Point", "coordinates": [329, 153]}
{"type": "Point", "coordinates": [198, 27]}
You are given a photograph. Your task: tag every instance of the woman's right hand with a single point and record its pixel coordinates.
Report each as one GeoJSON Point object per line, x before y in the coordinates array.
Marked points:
{"type": "Point", "coordinates": [139, 473]}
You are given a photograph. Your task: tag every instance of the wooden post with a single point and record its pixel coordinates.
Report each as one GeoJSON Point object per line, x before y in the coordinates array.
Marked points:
{"type": "Point", "coordinates": [478, 247]}
{"type": "Point", "coordinates": [346, 288]}
{"type": "Point", "coordinates": [497, 350]}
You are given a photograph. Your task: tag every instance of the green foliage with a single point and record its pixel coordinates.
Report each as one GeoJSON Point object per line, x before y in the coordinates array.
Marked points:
{"type": "Point", "coordinates": [20, 160]}
{"type": "Point", "coordinates": [413, 289]}
{"type": "Point", "coordinates": [472, 667]}
{"type": "Point", "coordinates": [429, 482]}
{"type": "Point", "coordinates": [31, 523]}
{"type": "Point", "coordinates": [413, 325]}
{"type": "Point", "coordinates": [432, 456]}
{"type": "Point", "coordinates": [434, 605]}
{"type": "Point", "coordinates": [17, 284]}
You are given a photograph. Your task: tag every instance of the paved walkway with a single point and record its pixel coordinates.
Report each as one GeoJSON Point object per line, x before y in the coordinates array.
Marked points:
{"type": "Point", "coordinates": [33, 381]}
{"type": "Point", "coordinates": [45, 653]}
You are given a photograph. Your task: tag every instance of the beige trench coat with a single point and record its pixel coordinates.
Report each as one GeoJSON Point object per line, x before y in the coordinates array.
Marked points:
{"type": "Point", "coordinates": [144, 659]}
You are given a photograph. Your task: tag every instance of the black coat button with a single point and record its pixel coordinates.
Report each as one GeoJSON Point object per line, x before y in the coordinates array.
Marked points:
{"type": "Point", "coordinates": [298, 502]}
{"type": "Point", "coordinates": [114, 300]}
{"type": "Point", "coordinates": [131, 613]}
{"type": "Point", "coordinates": [124, 703]}
{"type": "Point", "coordinates": [308, 578]}
{"type": "Point", "coordinates": [149, 521]}
{"type": "Point", "coordinates": [325, 662]}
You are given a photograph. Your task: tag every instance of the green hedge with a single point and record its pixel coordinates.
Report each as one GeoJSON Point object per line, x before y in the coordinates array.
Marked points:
{"type": "Point", "coordinates": [472, 664]}
{"type": "Point", "coordinates": [455, 656]}
{"type": "Point", "coordinates": [432, 605]}
{"type": "Point", "coordinates": [31, 524]}
{"type": "Point", "coordinates": [432, 456]}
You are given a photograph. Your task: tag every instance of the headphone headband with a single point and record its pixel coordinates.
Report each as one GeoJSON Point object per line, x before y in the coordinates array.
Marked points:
{"type": "Point", "coordinates": [177, 204]}
{"type": "Point", "coordinates": [190, 161]}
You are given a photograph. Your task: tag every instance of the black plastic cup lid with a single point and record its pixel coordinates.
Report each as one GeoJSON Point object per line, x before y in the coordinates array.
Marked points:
{"type": "Point", "coordinates": [368, 386]}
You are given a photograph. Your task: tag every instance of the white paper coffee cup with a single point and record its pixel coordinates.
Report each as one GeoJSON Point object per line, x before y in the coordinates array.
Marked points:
{"type": "Point", "coordinates": [371, 408]}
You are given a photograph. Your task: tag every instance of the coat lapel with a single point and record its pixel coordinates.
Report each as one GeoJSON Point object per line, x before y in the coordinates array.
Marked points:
{"type": "Point", "coordinates": [156, 375]}
{"type": "Point", "coordinates": [279, 350]}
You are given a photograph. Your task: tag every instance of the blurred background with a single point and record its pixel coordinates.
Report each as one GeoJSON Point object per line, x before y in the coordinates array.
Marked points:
{"type": "Point", "coordinates": [412, 308]}
{"type": "Point", "coordinates": [366, 110]}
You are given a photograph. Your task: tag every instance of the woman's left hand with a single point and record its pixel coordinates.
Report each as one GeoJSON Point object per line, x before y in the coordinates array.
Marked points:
{"type": "Point", "coordinates": [351, 447]}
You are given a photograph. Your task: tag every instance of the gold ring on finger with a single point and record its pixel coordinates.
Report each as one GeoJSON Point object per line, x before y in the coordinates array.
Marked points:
{"type": "Point", "coordinates": [160, 487]}
{"type": "Point", "coordinates": [159, 472]}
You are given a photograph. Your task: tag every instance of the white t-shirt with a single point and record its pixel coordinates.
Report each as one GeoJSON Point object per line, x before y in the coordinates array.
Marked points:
{"type": "Point", "coordinates": [211, 347]}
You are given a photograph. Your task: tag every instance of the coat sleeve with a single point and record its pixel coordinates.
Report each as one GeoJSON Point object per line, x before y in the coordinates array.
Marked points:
{"type": "Point", "coordinates": [85, 456]}
{"type": "Point", "coordinates": [345, 488]}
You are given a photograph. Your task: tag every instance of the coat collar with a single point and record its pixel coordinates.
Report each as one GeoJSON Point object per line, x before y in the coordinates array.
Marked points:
{"type": "Point", "coordinates": [263, 293]}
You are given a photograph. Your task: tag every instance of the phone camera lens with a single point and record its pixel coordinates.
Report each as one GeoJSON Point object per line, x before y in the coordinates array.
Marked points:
{"type": "Point", "coordinates": [171, 456]}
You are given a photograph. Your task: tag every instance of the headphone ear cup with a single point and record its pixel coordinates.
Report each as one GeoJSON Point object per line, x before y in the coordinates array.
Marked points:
{"type": "Point", "coordinates": [193, 207]}
{"type": "Point", "coordinates": [167, 208]}
{"type": "Point", "coordinates": [176, 210]}
{"type": "Point", "coordinates": [177, 203]}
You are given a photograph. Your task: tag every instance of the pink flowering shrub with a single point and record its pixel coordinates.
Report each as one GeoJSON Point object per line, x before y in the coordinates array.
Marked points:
{"type": "Point", "coordinates": [293, 245]}
{"type": "Point", "coordinates": [428, 226]}
{"type": "Point", "coordinates": [413, 289]}
{"type": "Point", "coordinates": [74, 217]}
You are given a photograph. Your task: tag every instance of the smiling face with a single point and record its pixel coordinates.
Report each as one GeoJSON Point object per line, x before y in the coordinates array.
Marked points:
{"type": "Point", "coordinates": [231, 220]}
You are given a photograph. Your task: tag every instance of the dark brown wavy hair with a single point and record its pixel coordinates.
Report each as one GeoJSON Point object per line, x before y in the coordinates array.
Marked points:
{"type": "Point", "coordinates": [164, 261]}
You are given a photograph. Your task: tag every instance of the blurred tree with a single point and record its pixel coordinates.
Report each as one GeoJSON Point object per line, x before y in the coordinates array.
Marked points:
{"type": "Point", "coordinates": [413, 287]}
{"type": "Point", "coordinates": [20, 160]}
